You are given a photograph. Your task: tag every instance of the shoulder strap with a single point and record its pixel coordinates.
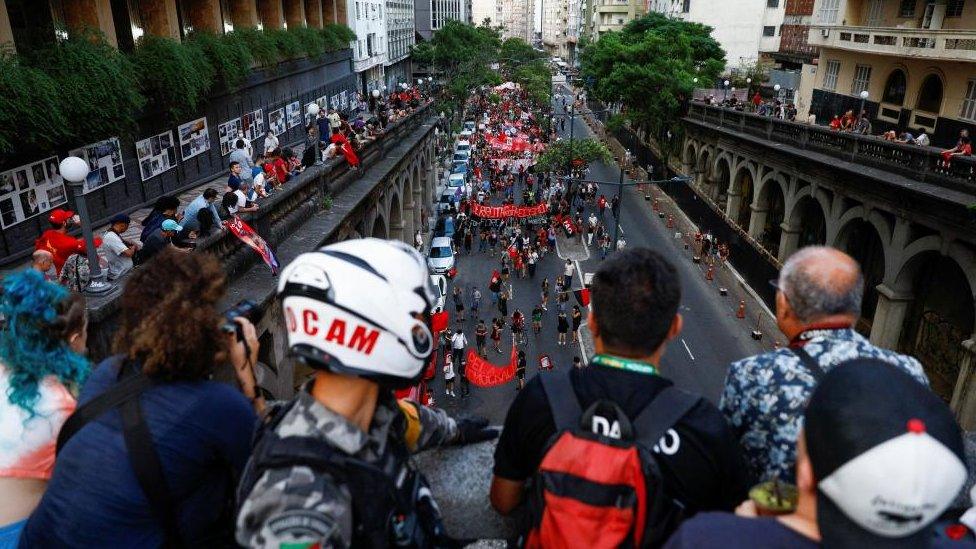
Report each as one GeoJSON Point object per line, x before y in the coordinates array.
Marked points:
{"type": "Point", "coordinates": [122, 391]}
{"type": "Point", "coordinates": [810, 362]}
{"type": "Point", "coordinates": [663, 413]}
{"type": "Point", "coordinates": [563, 403]}
{"type": "Point", "coordinates": [148, 469]}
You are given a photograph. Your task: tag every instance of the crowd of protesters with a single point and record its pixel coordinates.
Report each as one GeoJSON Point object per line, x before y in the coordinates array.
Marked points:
{"type": "Point", "coordinates": [830, 441]}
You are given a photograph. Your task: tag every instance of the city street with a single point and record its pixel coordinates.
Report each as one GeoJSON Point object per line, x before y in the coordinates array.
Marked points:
{"type": "Point", "coordinates": [696, 361]}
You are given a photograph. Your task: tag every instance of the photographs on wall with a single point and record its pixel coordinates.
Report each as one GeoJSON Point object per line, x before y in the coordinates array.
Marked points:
{"type": "Point", "coordinates": [194, 138]}
{"type": "Point", "coordinates": [294, 113]}
{"type": "Point", "coordinates": [343, 100]}
{"type": "Point", "coordinates": [227, 135]}
{"type": "Point", "coordinates": [156, 154]}
{"type": "Point", "coordinates": [252, 124]}
{"type": "Point", "coordinates": [105, 162]}
{"type": "Point", "coordinates": [276, 121]}
{"type": "Point", "coordinates": [30, 189]}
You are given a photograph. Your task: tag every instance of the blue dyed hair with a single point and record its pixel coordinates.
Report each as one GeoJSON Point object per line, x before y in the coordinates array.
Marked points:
{"type": "Point", "coordinates": [33, 346]}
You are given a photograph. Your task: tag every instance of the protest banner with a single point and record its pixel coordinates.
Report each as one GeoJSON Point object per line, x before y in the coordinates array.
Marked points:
{"type": "Point", "coordinates": [247, 235]}
{"type": "Point", "coordinates": [482, 373]}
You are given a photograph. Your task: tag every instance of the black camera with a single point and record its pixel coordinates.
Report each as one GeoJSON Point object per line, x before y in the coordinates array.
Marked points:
{"type": "Point", "coordinates": [245, 309]}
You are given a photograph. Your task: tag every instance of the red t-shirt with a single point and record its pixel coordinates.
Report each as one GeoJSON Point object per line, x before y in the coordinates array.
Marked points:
{"type": "Point", "coordinates": [60, 245]}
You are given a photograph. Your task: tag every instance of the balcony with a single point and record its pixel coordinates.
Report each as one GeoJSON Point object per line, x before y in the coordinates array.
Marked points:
{"type": "Point", "coordinates": [946, 45]}
{"type": "Point", "coordinates": [920, 166]}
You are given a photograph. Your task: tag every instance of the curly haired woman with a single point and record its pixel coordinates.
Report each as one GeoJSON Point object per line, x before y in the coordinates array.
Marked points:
{"type": "Point", "coordinates": [171, 333]}
{"type": "Point", "coordinates": [41, 360]}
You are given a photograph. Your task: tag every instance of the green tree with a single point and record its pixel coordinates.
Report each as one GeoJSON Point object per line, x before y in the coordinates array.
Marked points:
{"type": "Point", "coordinates": [173, 76]}
{"type": "Point", "coordinates": [462, 54]}
{"type": "Point", "coordinates": [579, 153]}
{"type": "Point", "coordinates": [650, 67]}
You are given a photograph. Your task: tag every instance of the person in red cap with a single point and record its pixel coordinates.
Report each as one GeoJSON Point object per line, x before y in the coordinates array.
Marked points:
{"type": "Point", "coordinates": [57, 240]}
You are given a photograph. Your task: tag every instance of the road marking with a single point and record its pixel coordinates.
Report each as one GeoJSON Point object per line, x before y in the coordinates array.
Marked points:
{"type": "Point", "coordinates": [687, 349]}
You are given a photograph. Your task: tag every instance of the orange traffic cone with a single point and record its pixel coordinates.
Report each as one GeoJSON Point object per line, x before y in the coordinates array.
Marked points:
{"type": "Point", "coordinates": [710, 273]}
{"type": "Point", "coordinates": [741, 313]}
{"type": "Point", "coordinates": [670, 221]}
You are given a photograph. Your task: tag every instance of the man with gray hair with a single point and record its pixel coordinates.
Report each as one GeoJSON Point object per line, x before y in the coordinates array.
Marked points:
{"type": "Point", "coordinates": [818, 301]}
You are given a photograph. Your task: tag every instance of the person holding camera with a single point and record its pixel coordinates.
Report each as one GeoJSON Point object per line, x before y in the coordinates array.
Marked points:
{"type": "Point", "coordinates": [331, 467]}
{"type": "Point", "coordinates": [152, 454]}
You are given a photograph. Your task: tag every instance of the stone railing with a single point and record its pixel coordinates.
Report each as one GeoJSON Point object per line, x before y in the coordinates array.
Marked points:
{"type": "Point", "coordinates": [947, 44]}
{"type": "Point", "coordinates": [923, 164]}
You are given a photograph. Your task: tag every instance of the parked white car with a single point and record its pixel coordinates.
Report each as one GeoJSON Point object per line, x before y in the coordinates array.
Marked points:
{"type": "Point", "coordinates": [440, 257]}
{"type": "Point", "coordinates": [440, 282]}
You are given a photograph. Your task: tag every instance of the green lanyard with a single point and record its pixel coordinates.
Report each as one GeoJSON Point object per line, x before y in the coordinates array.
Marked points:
{"type": "Point", "coordinates": [620, 363]}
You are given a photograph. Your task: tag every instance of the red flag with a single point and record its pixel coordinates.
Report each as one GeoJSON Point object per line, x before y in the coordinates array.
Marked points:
{"type": "Point", "coordinates": [582, 296]}
{"type": "Point", "coordinates": [247, 235]}
{"type": "Point", "coordinates": [438, 322]}
{"type": "Point", "coordinates": [485, 374]}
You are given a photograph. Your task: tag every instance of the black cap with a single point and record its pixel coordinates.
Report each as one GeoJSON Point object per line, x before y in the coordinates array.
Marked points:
{"type": "Point", "coordinates": [887, 455]}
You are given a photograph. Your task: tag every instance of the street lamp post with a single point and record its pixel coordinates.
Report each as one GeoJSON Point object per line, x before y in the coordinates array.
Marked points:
{"type": "Point", "coordinates": [864, 97]}
{"type": "Point", "coordinates": [725, 86]}
{"type": "Point", "coordinates": [75, 170]}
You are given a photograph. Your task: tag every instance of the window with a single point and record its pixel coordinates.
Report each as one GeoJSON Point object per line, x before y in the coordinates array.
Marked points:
{"type": "Point", "coordinates": [828, 11]}
{"type": "Point", "coordinates": [954, 8]}
{"type": "Point", "coordinates": [772, 3]}
{"type": "Point", "coordinates": [830, 75]}
{"type": "Point", "coordinates": [907, 8]}
{"type": "Point", "coordinates": [969, 103]}
{"type": "Point", "coordinates": [862, 77]}
{"type": "Point", "coordinates": [685, 6]}
{"type": "Point", "coordinates": [769, 31]}
{"type": "Point", "coordinates": [930, 94]}
{"type": "Point", "coordinates": [358, 16]}
{"type": "Point", "coordinates": [894, 91]}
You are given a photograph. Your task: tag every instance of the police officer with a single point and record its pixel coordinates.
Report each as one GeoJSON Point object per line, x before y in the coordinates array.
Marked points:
{"type": "Point", "coordinates": [331, 467]}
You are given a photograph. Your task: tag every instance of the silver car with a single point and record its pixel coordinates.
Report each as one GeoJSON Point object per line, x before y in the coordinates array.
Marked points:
{"type": "Point", "coordinates": [440, 257]}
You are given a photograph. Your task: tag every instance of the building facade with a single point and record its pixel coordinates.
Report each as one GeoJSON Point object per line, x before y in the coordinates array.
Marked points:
{"type": "Point", "coordinates": [555, 27]}
{"type": "Point", "coordinates": [602, 16]}
{"type": "Point", "coordinates": [915, 60]}
{"type": "Point", "coordinates": [744, 28]}
{"type": "Point", "coordinates": [370, 54]}
{"type": "Point", "coordinates": [517, 18]}
{"type": "Point", "coordinates": [431, 15]}
{"type": "Point", "coordinates": [400, 37]}
{"type": "Point", "coordinates": [485, 9]}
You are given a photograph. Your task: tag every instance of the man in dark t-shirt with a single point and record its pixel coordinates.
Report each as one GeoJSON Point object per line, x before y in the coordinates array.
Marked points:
{"type": "Point", "coordinates": [635, 298]}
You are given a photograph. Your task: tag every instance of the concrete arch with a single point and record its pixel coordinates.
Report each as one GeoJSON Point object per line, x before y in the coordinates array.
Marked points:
{"type": "Point", "coordinates": [793, 204]}
{"type": "Point", "coordinates": [761, 190]}
{"type": "Point", "coordinates": [379, 227]}
{"type": "Point", "coordinates": [907, 261]}
{"type": "Point", "coordinates": [835, 229]}
{"type": "Point", "coordinates": [690, 153]}
{"type": "Point", "coordinates": [741, 191]}
{"type": "Point", "coordinates": [395, 217]}
{"type": "Point", "coordinates": [703, 167]}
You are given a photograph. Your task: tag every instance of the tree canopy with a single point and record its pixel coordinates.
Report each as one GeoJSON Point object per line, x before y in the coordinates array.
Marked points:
{"type": "Point", "coordinates": [462, 54]}
{"type": "Point", "coordinates": [650, 67]}
{"type": "Point", "coordinates": [580, 153]}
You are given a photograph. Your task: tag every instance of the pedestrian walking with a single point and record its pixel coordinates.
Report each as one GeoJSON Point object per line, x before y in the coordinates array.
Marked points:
{"type": "Point", "coordinates": [458, 343]}
{"type": "Point", "coordinates": [481, 338]}
{"type": "Point", "coordinates": [496, 334]}
{"type": "Point", "coordinates": [545, 293]}
{"type": "Point", "coordinates": [458, 296]}
{"type": "Point", "coordinates": [591, 228]}
{"type": "Point", "coordinates": [503, 302]}
{"type": "Point", "coordinates": [518, 327]}
{"type": "Point", "coordinates": [520, 370]}
{"type": "Point", "coordinates": [568, 274]}
{"type": "Point", "coordinates": [532, 260]}
{"type": "Point", "coordinates": [562, 326]}
{"type": "Point", "coordinates": [577, 320]}
{"type": "Point", "coordinates": [475, 302]}
{"type": "Point", "coordinates": [468, 240]}
{"type": "Point", "coordinates": [537, 319]}
{"type": "Point", "coordinates": [449, 376]}
{"type": "Point", "coordinates": [604, 247]}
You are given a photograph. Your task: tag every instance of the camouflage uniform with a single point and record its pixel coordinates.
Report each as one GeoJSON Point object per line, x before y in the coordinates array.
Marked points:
{"type": "Point", "coordinates": [296, 505]}
{"type": "Point", "coordinates": [765, 395]}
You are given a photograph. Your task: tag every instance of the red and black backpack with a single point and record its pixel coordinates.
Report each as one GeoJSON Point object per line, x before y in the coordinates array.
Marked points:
{"type": "Point", "coordinates": [599, 484]}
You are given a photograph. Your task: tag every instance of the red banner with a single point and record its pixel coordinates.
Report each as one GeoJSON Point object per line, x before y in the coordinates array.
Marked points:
{"type": "Point", "coordinates": [247, 235]}
{"type": "Point", "coordinates": [503, 212]}
{"type": "Point", "coordinates": [485, 374]}
{"type": "Point", "coordinates": [438, 322]}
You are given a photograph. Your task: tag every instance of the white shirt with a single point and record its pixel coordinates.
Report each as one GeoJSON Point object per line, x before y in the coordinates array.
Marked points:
{"type": "Point", "coordinates": [458, 341]}
{"type": "Point", "coordinates": [113, 247]}
{"type": "Point", "coordinates": [448, 368]}
{"type": "Point", "coordinates": [270, 143]}
{"type": "Point", "coordinates": [922, 140]}
{"type": "Point", "coordinates": [569, 270]}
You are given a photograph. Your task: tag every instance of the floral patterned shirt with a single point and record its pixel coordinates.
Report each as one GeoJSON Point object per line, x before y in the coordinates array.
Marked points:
{"type": "Point", "coordinates": [765, 395]}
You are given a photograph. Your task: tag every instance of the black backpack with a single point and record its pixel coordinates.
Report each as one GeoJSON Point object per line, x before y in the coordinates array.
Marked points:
{"type": "Point", "coordinates": [386, 513]}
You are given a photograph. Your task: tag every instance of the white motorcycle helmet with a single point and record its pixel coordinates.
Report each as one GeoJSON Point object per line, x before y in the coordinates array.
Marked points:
{"type": "Point", "coordinates": [361, 308]}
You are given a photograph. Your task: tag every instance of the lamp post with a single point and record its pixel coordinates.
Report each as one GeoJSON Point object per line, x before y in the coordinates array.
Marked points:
{"type": "Point", "coordinates": [75, 170]}
{"type": "Point", "coordinates": [864, 97]}
{"type": "Point", "coordinates": [725, 86]}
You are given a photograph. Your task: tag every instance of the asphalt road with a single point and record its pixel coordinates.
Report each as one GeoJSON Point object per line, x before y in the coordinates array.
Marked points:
{"type": "Point", "coordinates": [697, 361]}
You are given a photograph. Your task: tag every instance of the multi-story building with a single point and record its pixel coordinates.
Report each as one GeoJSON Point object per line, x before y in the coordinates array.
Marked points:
{"type": "Point", "coordinates": [368, 21]}
{"type": "Point", "coordinates": [484, 9]}
{"type": "Point", "coordinates": [744, 28]}
{"type": "Point", "coordinates": [517, 18]}
{"type": "Point", "coordinates": [431, 15]}
{"type": "Point", "coordinates": [400, 37]}
{"type": "Point", "coordinates": [916, 61]}
{"type": "Point", "coordinates": [555, 27]}
{"type": "Point", "coordinates": [610, 15]}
